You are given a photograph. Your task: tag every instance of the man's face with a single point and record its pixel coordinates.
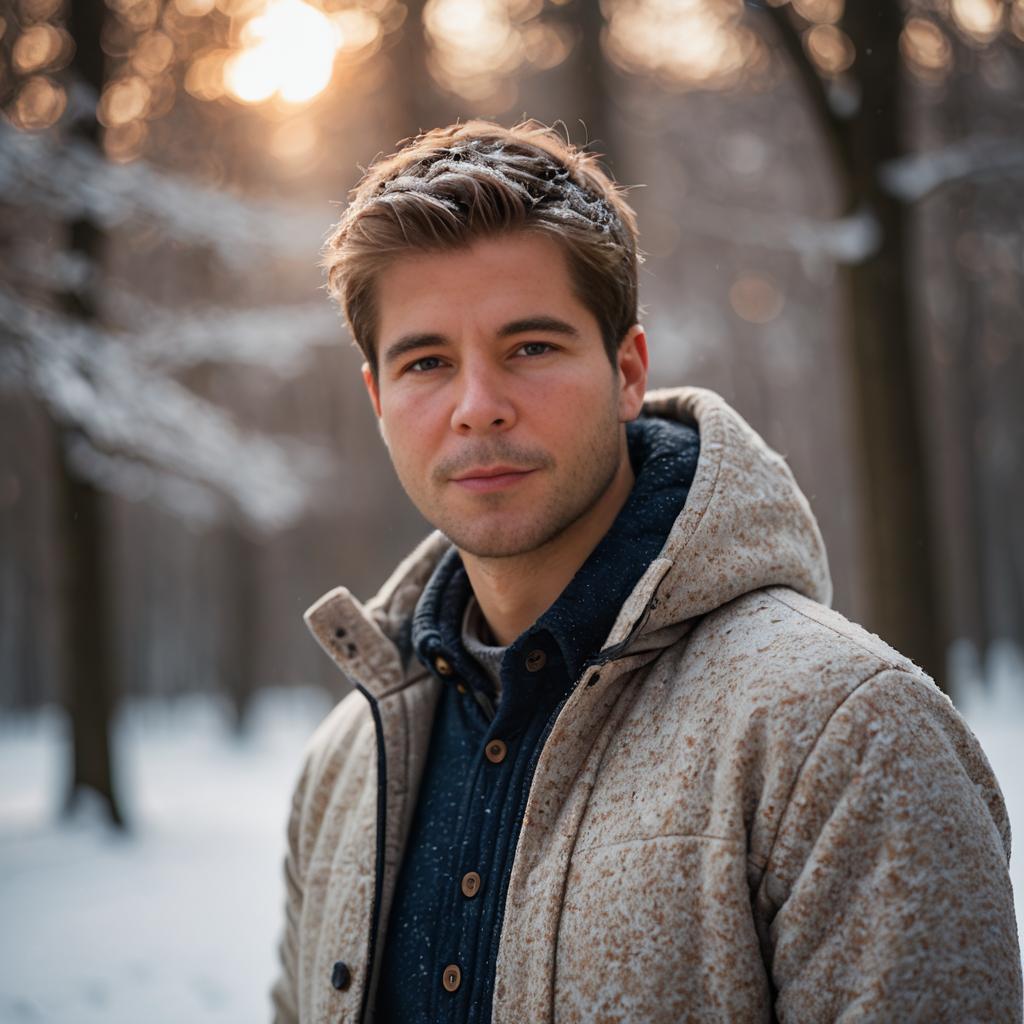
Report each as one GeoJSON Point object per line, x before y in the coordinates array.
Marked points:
{"type": "Point", "coordinates": [497, 401]}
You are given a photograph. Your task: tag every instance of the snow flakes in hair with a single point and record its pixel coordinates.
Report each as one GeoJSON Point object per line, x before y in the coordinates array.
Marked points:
{"type": "Point", "coordinates": [452, 175]}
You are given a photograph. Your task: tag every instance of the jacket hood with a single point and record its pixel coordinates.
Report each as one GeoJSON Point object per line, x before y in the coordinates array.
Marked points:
{"type": "Point", "coordinates": [745, 525]}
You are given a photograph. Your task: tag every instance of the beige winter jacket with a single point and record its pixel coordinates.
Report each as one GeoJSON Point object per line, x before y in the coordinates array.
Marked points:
{"type": "Point", "coordinates": [755, 811]}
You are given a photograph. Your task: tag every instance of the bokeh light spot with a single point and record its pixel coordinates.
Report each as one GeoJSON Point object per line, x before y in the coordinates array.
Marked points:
{"type": "Point", "coordinates": [204, 78]}
{"type": "Point", "coordinates": [124, 142]}
{"type": "Point", "coordinates": [39, 104]}
{"type": "Point", "coordinates": [123, 101]}
{"type": "Point", "coordinates": [359, 31]}
{"type": "Point", "coordinates": [194, 8]}
{"type": "Point", "coordinates": [830, 48]}
{"type": "Point", "coordinates": [250, 75]}
{"type": "Point", "coordinates": [979, 20]}
{"type": "Point", "coordinates": [1017, 19]}
{"type": "Point", "coordinates": [153, 54]}
{"type": "Point", "coordinates": [819, 12]}
{"type": "Point", "coordinates": [684, 43]}
{"type": "Point", "coordinates": [546, 46]}
{"type": "Point", "coordinates": [38, 10]}
{"type": "Point", "coordinates": [289, 50]}
{"type": "Point", "coordinates": [294, 141]}
{"type": "Point", "coordinates": [756, 298]}
{"type": "Point", "coordinates": [38, 47]}
{"type": "Point", "coordinates": [138, 15]}
{"type": "Point", "coordinates": [926, 49]}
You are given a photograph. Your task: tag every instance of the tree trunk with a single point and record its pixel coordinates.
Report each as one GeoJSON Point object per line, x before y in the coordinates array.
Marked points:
{"type": "Point", "coordinates": [592, 101]}
{"type": "Point", "coordinates": [964, 397]}
{"type": "Point", "coordinates": [415, 93]}
{"type": "Point", "coordinates": [240, 646]}
{"type": "Point", "coordinates": [89, 664]}
{"type": "Point", "coordinates": [899, 519]}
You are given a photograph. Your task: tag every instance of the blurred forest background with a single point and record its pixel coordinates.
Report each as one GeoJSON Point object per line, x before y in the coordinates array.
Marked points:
{"type": "Point", "coordinates": [831, 206]}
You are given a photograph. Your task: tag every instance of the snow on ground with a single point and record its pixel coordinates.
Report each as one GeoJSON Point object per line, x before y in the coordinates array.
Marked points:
{"type": "Point", "coordinates": [177, 923]}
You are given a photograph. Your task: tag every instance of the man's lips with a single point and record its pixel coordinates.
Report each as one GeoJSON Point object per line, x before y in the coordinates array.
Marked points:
{"type": "Point", "coordinates": [491, 478]}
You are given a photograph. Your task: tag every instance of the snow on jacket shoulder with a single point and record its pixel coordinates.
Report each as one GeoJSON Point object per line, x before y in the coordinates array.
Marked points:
{"type": "Point", "coordinates": [750, 810]}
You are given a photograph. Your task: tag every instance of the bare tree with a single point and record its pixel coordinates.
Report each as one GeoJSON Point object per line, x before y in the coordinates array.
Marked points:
{"type": "Point", "coordinates": [862, 121]}
{"type": "Point", "coordinates": [88, 664]}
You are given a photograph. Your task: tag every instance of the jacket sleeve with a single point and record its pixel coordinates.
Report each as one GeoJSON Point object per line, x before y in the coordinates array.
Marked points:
{"type": "Point", "coordinates": [285, 991]}
{"type": "Point", "coordinates": [887, 889]}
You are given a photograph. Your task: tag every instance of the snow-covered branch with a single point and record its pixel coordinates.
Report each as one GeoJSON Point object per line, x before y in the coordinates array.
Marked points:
{"type": "Point", "coordinates": [195, 503]}
{"type": "Point", "coordinates": [281, 337]}
{"type": "Point", "coordinates": [70, 179]}
{"type": "Point", "coordinates": [846, 240]}
{"type": "Point", "coordinates": [854, 238]}
{"type": "Point", "coordinates": [92, 381]}
{"type": "Point", "coordinates": [911, 178]}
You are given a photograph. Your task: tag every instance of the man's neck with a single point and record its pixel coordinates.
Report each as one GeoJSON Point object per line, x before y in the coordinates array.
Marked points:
{"type": "Point", "coordinates": [514, 592]}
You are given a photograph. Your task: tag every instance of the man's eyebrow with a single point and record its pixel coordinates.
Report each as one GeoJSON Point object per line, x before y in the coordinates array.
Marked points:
{"type": "Point", "coordinates": [412, 343]}
{"type": "Point", "coordinates": [547, 324]}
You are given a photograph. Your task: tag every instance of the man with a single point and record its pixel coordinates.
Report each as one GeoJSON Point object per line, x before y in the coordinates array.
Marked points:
{"type": "Point", "coordinates": [611, 757]}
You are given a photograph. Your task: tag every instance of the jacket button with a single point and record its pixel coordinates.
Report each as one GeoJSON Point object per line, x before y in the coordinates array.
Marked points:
{"type": "Point", "coordinates": [443, 665]}
{"type": "Point", "coordinates": [536, 660]}
{"type": "Point", "coordinates": [451, 977]}
{"type": "Point", "coordinates": [341, 976]}
{"type": "Point", "coordinates": [470, 884]}
{"type": "Point", "coordinates": [495, 751]}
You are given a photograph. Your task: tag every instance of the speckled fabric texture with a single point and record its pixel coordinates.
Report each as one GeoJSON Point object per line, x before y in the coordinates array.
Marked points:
{"type": "Point", "coordinates": [753, 810]}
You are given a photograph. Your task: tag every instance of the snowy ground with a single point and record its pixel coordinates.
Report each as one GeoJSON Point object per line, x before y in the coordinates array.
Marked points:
{"type": "Point", "coordinates": [177, 923]}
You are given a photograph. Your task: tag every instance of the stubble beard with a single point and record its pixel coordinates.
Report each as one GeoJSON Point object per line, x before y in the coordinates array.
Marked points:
{"type": "Point", "coordinates": [491, 535]}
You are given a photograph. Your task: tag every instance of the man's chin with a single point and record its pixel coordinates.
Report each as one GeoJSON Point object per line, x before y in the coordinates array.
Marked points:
{"type": "Point", "coordinates": [491, 547]}
{"type": "Point", "coordinates": [500, 541]}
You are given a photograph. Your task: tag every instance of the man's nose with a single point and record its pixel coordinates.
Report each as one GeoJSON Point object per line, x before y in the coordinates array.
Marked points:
{"type": "Point", "coordinates": [483, 404]}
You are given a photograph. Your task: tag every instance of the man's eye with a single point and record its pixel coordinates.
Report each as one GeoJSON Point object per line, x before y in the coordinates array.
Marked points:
{"type": "Point", "coordinates": [535, 348]}
{"type": "Point", "coordinates": [424, 364]}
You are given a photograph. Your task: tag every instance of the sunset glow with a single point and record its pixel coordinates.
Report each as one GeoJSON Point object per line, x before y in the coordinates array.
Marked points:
{"type": "Point", "coordinates": [288, 51]}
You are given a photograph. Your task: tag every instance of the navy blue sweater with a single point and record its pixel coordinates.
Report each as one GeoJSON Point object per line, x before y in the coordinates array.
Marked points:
{"type": "Point", "coordinates": [450, 895]}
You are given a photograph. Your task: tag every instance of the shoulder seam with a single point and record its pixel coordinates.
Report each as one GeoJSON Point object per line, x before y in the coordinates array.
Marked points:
{"type": "Point", "coordinates": [888, 663]}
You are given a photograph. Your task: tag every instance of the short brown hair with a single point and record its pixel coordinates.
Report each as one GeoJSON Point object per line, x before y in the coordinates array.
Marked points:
{"type": "Point", "coordinates": [450, 186]}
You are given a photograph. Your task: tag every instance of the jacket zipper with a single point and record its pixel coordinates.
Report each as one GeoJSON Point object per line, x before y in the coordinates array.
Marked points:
{"type": "Point", "coordinates": [378, 887]}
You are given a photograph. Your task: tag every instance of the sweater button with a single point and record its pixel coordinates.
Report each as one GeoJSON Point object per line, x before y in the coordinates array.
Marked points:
{"type": "Point", "coordinates": [536, 660]}
{"type": "Point", "coordinates": [443, 665]}
{"type": "Point", "coordinates": [451, 977]}
{"type": "Point", "coordinates": [341, 976]}
{"type": "Point", "coordinates": [470, 884]}
{"type": "Point", "coordinates": [495, 751]}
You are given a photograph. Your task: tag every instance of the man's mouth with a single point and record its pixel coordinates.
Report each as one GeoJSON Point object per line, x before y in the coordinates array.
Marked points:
{"type": "Point", "coordinates": [483, 479]}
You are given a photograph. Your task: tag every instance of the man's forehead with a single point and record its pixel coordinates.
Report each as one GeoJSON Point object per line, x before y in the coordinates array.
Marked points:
{"type": "Point", "coordinates": [490, 286]}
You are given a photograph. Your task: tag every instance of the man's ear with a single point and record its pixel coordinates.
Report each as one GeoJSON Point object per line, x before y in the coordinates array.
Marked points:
{"type": "Point", "coordinates": [372, 388]}
{"type": "Point", "coordinates": [632, 364]}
